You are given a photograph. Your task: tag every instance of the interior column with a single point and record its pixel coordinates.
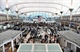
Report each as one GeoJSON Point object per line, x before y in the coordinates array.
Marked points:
{"type": "Point", "coordinates": [12, 44]}
{"type": "Point", "coordinates": [3, 48]}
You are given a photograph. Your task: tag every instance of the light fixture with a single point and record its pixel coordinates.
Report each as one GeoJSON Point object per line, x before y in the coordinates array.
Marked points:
{"type": "Point", "coordinates": [70, 9]}
{"type": "Point", "coordinates": [16, 11]}
{"type": "Point", "coordinates": [7, 9]}
{"type": "Point", "coordinates": [56, 13]}
{"type": "Point", "coordinates": [6, 3]}
{"type": "Point", "coordinates": [21, 13]}
{"type": "Point", "coordinates": [61, 12]}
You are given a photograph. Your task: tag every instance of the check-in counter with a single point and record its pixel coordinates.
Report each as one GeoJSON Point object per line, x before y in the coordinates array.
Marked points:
{"type": "Point", "coordinates": [1, 26]}
{"type": "Point", "coordinates": [5, 27]}
{"type": "Point", "coordinates": [8, 25]}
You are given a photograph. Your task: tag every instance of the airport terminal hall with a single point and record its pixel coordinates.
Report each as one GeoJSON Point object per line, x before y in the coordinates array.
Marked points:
{"type": "Point", "coordinates": [39, 25]}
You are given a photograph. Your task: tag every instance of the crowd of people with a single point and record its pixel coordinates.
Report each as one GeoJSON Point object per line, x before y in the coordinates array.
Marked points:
{"type": "Point", "coordinates": [37, 33]}
{"type": "Point", "coordinates": [41, 34]}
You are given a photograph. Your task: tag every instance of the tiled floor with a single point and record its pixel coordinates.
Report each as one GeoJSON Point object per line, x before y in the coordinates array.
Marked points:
{"type": "Point", "coordinates": [27, 37]}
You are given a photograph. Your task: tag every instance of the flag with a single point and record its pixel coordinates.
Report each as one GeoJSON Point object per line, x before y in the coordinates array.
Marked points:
{"type": "Point", "coordinates": [39, 18]}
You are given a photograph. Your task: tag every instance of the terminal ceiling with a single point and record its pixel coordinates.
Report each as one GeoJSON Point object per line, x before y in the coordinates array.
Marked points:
{"type": "Point", "coordinates": [50, 6]}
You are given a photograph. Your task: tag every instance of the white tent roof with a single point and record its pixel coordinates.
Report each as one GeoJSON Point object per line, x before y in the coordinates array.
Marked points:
{"type": "Point", "coordinates": [8, 35]}
{"type": "Point", "coordinates": [71, 36]}
{"type": "Point", "coordinates": [54, 6]}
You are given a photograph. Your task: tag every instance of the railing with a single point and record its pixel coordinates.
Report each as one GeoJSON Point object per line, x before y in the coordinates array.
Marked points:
{"type": "Point", "coordinates": [71, 21]}
{"type": "Point", "coordinates": [13, 20]}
